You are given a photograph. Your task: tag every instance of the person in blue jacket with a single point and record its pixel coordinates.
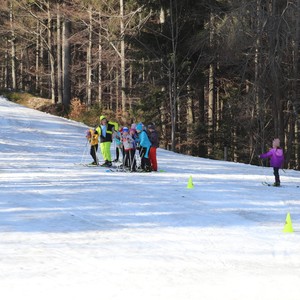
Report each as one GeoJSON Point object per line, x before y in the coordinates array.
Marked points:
{"type": "Point", "coordinates": [144, 145]}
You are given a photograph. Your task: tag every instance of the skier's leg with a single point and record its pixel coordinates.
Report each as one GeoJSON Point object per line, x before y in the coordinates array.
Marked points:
{"type": "Point", "coordinates": [93, 153]}
{"type": "Point", "coordinates": [107, 150]}
{"type": "Point", "coordinates": [102, 148]}
{"type": "Point", "coordinates": [152, 158]}
{"type": "Point", "coordinates": [276, 174]}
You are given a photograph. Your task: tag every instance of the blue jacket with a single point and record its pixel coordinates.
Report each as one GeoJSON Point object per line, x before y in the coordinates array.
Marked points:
{"type": "Point", "coordinates": [144, 142]}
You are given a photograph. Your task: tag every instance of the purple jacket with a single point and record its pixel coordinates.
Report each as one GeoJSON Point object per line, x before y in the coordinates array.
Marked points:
{"type": "Point", "coordinates": [276, 155]}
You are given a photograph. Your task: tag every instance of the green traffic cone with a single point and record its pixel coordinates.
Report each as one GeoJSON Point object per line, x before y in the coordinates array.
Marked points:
{"type": "Point", "coordinates": [288, 224]}
{"type": "Point", "coordinates": [190, 184]}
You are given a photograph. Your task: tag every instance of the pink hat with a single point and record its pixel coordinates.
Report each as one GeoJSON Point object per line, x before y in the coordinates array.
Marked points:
{"type": "Point", "coordinates": [276, 143]}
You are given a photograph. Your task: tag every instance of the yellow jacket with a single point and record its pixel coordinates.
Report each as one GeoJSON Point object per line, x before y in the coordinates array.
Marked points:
{"type": "Point", "coordinates": [93, 137]}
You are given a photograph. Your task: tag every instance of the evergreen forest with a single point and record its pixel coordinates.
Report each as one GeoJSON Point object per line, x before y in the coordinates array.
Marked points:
{"type": "Point", "coordinates": [218, 78]}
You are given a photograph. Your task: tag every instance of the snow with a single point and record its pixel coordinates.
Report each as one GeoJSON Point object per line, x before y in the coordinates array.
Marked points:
{"type": "Point", "coordinates": [74, 232]}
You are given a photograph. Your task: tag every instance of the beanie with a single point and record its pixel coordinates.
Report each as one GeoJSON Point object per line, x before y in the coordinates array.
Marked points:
{"type": "Point", "coordinates": [102, 118]}
{"type": "Point", "coordinates": [139, 127]}
{"type": "Point", "coordinates": [88, 133]}
{"type": "Point", "coordinates": [276, 143]}
{"type": "Point", "coordinates": [125, 129]}
{"type": "Point", "coordinates": [132, 130]}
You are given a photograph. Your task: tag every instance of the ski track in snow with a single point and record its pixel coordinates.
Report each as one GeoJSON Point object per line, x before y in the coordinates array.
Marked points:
{"type": "Point", "coordinates": [74, 232]}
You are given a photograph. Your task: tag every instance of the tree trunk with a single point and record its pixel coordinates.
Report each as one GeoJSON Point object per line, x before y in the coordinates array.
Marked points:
{"type": "Point", "coordinates": [211, 93]}
{"type": "Point", "coordinates": [211, 108]}
{"type": "Point", "coordinates": [117, 90]}
{"type": "Point", "coordinates": [13, 48]}
{"type": "Point", "coordinates": [89, 58]}
{"type": "Point", "coordinates": [50, 54]}
{"type": "Point", "coordinates": [259, 101]}
{"type": "Point", "coordinates": [100, 62]}
{"type": "Point", "coordinates": [37, 57]}
{"type": "Point", "coordinates": [21, 85]}
{"type": "Point", "coordinates": [123, 70]}
{"type": "Point", "coordinates": [59, 58]}
{"type": "Point", "coordinates": [173, 76]}
{"type": "Point", "coordinates": [66, 63]}
{"type": "Point", "coordinates": [6, 67]}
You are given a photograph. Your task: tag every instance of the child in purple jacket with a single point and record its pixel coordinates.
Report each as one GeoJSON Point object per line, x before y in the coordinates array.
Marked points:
{"type": "Point", "coordinates": [276, 159]}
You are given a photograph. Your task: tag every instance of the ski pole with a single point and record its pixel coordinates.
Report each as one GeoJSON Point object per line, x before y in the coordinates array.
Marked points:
{"type": "Point", "coordinates": [84, 152]}
{"type": "Point", "coordinates": [132, 159]}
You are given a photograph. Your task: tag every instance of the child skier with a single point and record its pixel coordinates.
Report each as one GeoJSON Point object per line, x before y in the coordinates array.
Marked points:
{"type": "Point", "coordinates": [92, 137]}
{"type": "Point", "coordinates": [144, 144]}
{"type": "Point", "coordinates": [129, 150]}
{"type": "Point", "coordinates": [276, 159]}
{"type": "Point", "coordinates": [117, 136]}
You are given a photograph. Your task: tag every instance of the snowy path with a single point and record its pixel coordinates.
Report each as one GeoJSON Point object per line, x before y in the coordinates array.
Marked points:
{"type": "Point", "coordinates": [72, 232]}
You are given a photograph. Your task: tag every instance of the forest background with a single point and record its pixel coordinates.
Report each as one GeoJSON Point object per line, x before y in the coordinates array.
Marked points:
{"type": "Point", "coordinates": [220, 79]}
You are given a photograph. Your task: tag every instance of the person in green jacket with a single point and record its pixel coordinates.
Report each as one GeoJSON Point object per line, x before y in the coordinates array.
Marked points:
{"type": "Point", "coordinates": [105, 131]}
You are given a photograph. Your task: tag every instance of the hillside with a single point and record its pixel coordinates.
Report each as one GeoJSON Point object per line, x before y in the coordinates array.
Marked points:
{"type": "Point", "coordinates": [74, 232]}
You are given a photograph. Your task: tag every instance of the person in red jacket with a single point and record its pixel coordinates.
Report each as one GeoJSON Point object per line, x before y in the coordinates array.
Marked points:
{"type": "Point", "coordinates": [153, 137]}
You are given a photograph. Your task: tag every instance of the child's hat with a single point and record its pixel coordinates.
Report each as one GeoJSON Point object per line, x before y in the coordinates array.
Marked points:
{"type": "Point", "coordinates": [88, 132]}
{"type": "Point", "coordinates": [139, 127]}
{"type": "Point", "coordinates": [102, 118]}
{"type": "Point", "coordinates": [276, 142]}
{"type": "Point", "coordinates": [125, 129]}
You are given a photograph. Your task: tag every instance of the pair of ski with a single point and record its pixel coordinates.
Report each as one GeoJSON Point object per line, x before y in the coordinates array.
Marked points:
{"type": "Point", "coordinates": [122, 169]}
{"type": "Point", "coordinates": [88, 165]}
{"type": "Point", "coordinates": [97, 165]}
{"type": "Point", "coordinates": [270, 184]}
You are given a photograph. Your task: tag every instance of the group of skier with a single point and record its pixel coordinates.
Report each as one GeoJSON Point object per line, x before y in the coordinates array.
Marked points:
{"type": "Point", "coordinates": [127, 141]}
{"type": "Point", "coordinates": [145, 139]}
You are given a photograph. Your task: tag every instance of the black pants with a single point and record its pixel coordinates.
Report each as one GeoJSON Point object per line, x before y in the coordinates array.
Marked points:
{"type": "Point", "coordinates": [129, 160]}
{"type": "Point", "coordinates": [276, 174]}
{"type": "Point", "coordinates": [145, 162]}
{"type": "Point", "coordinates": [118, 152]}
{"type": "Point", "coordinates": [93, 153]}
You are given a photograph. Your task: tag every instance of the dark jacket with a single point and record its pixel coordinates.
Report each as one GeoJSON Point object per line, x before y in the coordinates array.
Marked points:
{"type": "Point", "coordinates": [153, 137]}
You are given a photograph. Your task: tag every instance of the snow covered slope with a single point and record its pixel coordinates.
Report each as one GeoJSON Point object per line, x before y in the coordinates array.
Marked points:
{"type": "Point", "coordinates": [73, 232]}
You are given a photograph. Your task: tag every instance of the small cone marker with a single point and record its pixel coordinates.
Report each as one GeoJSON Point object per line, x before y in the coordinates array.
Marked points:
{"type": "Point", "coordinates": [288, 224]}
{"type": "Point", "coordinates": [190, 184]}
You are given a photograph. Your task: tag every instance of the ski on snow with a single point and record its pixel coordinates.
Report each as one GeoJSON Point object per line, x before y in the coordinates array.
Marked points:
{"type": "Point", "coordinates": [270, 184]}
{"type": "Point", "coordinates": [87, 165]}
